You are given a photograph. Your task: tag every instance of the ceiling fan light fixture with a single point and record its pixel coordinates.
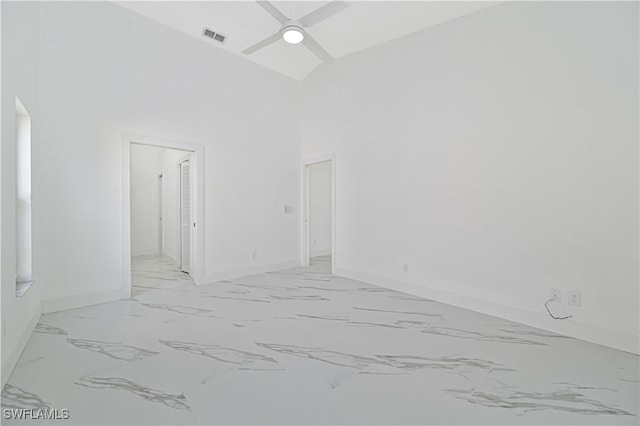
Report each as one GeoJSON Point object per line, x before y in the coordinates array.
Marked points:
{"type": "Point", "coordinates": [292, 34]}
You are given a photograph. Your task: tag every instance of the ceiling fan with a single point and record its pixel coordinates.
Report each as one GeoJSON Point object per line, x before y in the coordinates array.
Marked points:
{"type": "Point", "coordinates": [293, 30]}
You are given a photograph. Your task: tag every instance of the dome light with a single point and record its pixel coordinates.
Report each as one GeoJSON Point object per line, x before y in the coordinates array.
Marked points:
{"type": "Point", "coordinates": [292, 34]}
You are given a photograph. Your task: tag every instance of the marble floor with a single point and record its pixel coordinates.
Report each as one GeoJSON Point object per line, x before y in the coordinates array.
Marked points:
{"type": "Point", "coordinates": [301, 346]}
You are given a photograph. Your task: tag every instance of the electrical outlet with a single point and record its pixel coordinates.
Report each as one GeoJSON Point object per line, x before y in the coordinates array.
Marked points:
{"type": "Point", "coordinates": [405, 268]}
{"type": "Point", "coordinates": [575, 298]}
{"type": "Point", "coordinates": [555, 295]}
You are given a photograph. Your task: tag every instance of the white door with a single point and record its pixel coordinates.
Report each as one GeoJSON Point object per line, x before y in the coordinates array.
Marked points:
{"type": "Point", "coordinates": [185, 217]}
{"type": "Point", "coordinates": [160, 218]}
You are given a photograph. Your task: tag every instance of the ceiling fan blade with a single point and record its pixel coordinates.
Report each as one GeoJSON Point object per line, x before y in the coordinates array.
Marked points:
{"type": "Point", "coordinates": [264, 43]}
{"type": "Point", "coordinates": [314, 47]}
{"type": "Point", "coordinates": [273, 11]}
{"type": "Point", "coordinates": [322, 13]}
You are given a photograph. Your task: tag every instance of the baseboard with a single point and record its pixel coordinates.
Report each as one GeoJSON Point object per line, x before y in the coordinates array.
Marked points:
{"type": "Point", "coordinates": [315, 253]}
{"type": "Point", "coordinates": [610, 338]}
{"type": "Point", "coordinates": [245, 272]}
{"type": "Point", "coordinates": [80, 301]}
{"type": "Point", "coordinates": [12, 360]}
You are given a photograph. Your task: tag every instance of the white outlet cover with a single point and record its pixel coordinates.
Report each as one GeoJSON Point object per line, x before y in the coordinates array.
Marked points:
{"type": "Point", "coordinates": [575, 298]}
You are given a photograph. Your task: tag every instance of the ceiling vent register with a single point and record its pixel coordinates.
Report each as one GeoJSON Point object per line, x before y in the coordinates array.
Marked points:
{"type": "Point", "coordinates": [214, 35]}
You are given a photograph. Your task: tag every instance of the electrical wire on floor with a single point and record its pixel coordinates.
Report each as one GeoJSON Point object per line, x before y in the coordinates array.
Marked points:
{"type": "Point", "coordinates": [553, 316]}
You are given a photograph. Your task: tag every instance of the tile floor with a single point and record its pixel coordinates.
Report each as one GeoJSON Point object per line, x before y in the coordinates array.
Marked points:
{"type": "Point", "coordinates": [304, 347]}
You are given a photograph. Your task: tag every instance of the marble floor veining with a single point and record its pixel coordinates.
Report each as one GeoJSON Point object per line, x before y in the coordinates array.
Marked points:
{"type": "Point", "coordinates": [302, 346]}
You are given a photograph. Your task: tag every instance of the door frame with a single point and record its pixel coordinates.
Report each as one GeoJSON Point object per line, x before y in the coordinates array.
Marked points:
{"type": "Point", "coordinates": [305, 252]}
{"type": "Point", "coordinates": [197, 242]}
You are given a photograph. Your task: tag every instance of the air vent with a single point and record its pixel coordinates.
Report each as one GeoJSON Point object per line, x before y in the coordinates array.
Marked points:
{"type": "Point", "coordinates": [214, 35]}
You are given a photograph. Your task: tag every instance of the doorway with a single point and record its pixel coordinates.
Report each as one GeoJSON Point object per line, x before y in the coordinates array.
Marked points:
{"type": "Point", "coordinates": [162, 207]}
{"type": "Point", "coordinates": [319, 215]}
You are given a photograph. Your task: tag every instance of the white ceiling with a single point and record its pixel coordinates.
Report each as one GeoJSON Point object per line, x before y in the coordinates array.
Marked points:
{"type": "Point", "coordinates": [361, 25]}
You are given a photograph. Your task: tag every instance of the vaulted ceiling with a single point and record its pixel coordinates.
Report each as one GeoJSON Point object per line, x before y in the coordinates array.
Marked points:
{"type": "Point", "coordinates": [361, 25]}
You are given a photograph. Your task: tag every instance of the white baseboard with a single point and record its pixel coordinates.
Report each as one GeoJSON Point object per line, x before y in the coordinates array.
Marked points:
{"type": "Point", "coordinates": [80, 301]}
{"type": "Point", "coordinates": [245, 272]}
{"type": "Point", "coordinates": [12, 359]}
{"type": "Point", "coordinates": [324, 252]}
{"type": "Point", "coordinates": [611, 338]}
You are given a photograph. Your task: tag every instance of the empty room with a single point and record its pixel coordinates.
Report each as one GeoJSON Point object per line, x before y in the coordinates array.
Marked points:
{"type": "Point", "coordinates": [320, 212]}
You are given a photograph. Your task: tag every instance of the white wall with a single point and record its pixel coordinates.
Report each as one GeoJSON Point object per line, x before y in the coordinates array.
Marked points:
{"type": "Point", "coordinates": [320, 209]}
{"type": "Point", "coordinates": [147, 162]}
{"type": "Point", "coordinates": [103, 71]}
{"type": "Point", "coordinates": [497, 156]}
{"type": "Point", "coordinates": [21, 41]}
